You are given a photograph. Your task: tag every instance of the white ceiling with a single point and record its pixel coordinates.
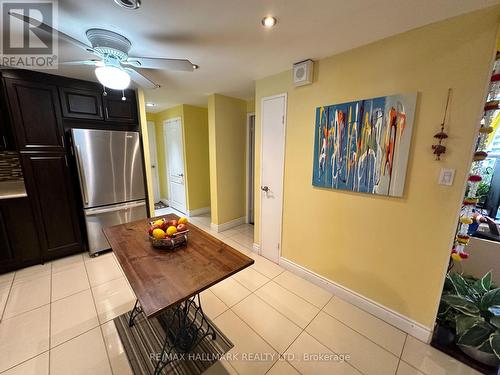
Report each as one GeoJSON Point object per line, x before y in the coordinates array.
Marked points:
{"type": "Point", "coordinates": [225, 38]}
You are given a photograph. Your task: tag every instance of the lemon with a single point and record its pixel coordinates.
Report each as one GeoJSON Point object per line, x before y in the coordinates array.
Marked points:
{"type": "Point", "coordinates": [171, 230]}
{"type": "Point", "coordinates": [158, 222]}
{"type": "Point", "coordinates": [158, 233]}
{"type": "Point", "coordinates": [182, 220]}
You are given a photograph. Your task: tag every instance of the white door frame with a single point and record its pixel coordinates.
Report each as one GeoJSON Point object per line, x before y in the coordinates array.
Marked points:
{"type": "Point", "coordinates": [156, 177]}
{"type": "Point", "coordinates": [285, 96]}
{"type": "Point", "coordinates": [247, 185]}
{"type": "Point", "coordinates": [167, 170]}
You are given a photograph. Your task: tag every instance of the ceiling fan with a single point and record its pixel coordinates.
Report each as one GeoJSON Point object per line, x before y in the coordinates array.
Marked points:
{"type": "Point", "coordinates": [114, 68]}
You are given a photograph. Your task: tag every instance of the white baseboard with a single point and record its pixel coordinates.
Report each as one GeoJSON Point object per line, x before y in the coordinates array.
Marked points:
{"type": "Point", "coordinates": [199, 211]}
{"type": "Point", "coordinates": [228, 225]}
{"type": "Point", "coordinates": [392, 317]}
{"type": "Point", "coordinates": [256, 248]}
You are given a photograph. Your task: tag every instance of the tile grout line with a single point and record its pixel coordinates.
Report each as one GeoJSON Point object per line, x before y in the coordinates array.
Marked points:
{"type": "Point", "coordinates": [303, 330]}
{"type": "Point", "coordinates": [362, 334]}
{"type": "Point", "coordinates": [98, 320]}
{"type": "Point", "coordinates": [24, 361]}
{"type": "Point", "coordinates": [8, 296]}
{"type": "Point", "coordinates": [326, 346]}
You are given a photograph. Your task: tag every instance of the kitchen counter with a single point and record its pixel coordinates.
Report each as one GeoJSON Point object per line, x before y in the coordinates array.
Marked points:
{"type": "Point", "coordinates": [12, 189]}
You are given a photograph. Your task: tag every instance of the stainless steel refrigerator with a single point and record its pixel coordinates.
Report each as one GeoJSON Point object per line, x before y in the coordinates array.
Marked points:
{"type": "Point", "coordinates": [110, 169]}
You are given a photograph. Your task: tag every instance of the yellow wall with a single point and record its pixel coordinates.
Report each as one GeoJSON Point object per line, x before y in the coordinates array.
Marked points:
{"type": "Point", "coordinates": [251, 105]}
{"type": "Point", "coordinates": [391, 250]}
{"type": "Point", "coordinates": [227, 137]}
{"type": "Point", "coordinates": [194, 122]}
{"type": "Point", "coordinates": [196, 156]}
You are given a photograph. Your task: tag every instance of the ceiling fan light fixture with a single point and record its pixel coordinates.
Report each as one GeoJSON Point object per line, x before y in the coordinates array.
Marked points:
{"type": "Point", "coordinates": [129, 4]}
{"type": "Point", "coordinates": [269, 21]}
{"type": "Point", "coordinates": [112, 77]}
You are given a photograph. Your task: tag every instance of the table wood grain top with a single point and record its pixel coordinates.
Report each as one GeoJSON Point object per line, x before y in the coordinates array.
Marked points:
{"type": "Point", "coordinates": [163, 278]}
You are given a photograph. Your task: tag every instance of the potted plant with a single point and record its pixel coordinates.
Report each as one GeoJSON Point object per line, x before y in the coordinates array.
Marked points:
{"type": "Point", "coordinates": [472, 308]}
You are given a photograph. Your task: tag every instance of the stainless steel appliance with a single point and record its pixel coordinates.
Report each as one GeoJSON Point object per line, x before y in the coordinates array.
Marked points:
{"type": "Point", "coordinates": [110, 169]}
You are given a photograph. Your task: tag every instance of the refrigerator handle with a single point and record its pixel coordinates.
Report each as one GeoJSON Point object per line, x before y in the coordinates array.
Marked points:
{"type": "Point", "coordinates": [81, 174]}
{"type": "Point", "coordinates": [122, 207]}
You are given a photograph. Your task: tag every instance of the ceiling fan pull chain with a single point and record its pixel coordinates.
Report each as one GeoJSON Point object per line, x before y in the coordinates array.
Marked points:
{"type": "Point", "coordinates": [123, 95]}
{"type": "Point", "coordinates": [104, 92]}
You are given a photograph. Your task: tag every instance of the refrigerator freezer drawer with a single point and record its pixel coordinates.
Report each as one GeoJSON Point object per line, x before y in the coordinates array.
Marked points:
{"type": "Point", "coordinates": [98, 218]}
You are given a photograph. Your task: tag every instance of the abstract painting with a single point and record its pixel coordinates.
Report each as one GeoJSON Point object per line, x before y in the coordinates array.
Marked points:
{"type": "Point", "coordinates": [363, 146]}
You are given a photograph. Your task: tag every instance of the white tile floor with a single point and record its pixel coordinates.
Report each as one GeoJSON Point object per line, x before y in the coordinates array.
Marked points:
{"type": "Point", "coordinates": [57, 319]}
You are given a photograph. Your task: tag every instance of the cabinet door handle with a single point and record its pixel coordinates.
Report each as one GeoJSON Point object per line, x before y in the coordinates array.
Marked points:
{"type": "Point", "coordinates": [62, 140]}
{"type": "Point", "coordinates": [4, 141]}
{"type": "Point", "coordinates": [66, 161]}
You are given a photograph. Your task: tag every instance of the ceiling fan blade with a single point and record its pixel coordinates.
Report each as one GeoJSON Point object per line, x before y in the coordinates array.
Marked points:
{"type": "Point", "coordinates": [159, 63]}
{"type": "Point", "coordinates": [48, 29]}
{"type": "Point", "coordinates": [83, 62]}
{"type": "Point", "coordinates": [141, 80]}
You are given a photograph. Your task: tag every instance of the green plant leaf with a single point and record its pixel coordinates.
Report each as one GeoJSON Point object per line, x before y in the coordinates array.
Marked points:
{"type": "Point", "coordinates": [486, 282]}
{"type": "Point", "coordinates": [495, 320]}
{"type": "Point", "coordinates": [476, 335]}
{"type": "Point", "coordinates": [460, 284]}
{"type": "Point", "coordinates": [461, 304]}
{"type": "Point", "coordinates": [486, 346]}
{"type": "Point", "coordinates": [491, 298]}
{"type": "Point", "coordinates": [495, 310]}
{"type": "Point", "coordinates": [465, 322]}
{"type": "Point", "coordinates": [495, 343]}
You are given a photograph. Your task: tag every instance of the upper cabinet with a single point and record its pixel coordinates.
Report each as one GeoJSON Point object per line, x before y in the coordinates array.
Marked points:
{"type": "Point", "coordinates": [118, 110]}
{"type": "Point", "coordinates": [86, 104]}
{"type": "Point", "coordinates": [36, 115]}
{"type": "Point", "coordinates": [81, 104]}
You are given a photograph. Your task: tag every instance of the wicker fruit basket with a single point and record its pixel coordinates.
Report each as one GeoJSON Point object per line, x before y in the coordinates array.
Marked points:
{"type": "Point", "coordinates": [171, 242]}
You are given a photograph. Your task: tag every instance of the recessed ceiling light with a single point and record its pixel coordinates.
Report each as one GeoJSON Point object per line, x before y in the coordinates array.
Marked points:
{"type": "Point", "coordinates": [129, 4]}
{"type": "Point", "coordinates": [269, 21]}
{"type": "Point", "coordinates": [150, 105]}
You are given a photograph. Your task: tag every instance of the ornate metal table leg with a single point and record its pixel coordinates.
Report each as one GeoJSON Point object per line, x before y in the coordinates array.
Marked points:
{"type": "Point", "coordinates": [185, 327]}
{"type": "Point", "coordinates": [135, 311]}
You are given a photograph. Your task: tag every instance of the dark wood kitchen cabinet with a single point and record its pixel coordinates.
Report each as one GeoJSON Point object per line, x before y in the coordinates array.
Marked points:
{"type": "Point", "coordinates": [81, 104]}
{"type": "Point", "coordinates": [36, 115]}
{"type": "Point", "coordinates": [48, 182]}
{"type": "Point", "coordinates": [19, 244]}
{"type": "Point", "coordinates": [118, 110]}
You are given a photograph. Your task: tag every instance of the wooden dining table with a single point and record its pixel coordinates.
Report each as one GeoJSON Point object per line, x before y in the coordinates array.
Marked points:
{"type": "Point", "coordinates": [169, 282]}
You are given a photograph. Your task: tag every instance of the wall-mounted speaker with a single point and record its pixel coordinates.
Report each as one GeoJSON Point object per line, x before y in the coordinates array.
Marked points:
{"type": "Point", "coordinates": [303, 73]}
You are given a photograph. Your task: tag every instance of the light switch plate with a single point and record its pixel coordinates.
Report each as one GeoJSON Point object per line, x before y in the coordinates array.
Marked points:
{"type": "Point", "coordinates": [446, 176]}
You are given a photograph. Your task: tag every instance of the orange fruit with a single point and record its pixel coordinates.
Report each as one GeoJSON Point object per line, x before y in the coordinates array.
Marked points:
{"type": "Point", "coordinates": [182, 220]}
{"type": "Point", "coordinates": [171, 230]}
{"type": "Point", "coordinates": [158, 233]}
{"type": "Point", "coordinates": [158, 222]}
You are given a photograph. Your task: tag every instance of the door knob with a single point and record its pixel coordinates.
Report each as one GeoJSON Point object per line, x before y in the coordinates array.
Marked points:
{"type": "Point", "coordinates": [264, 188]}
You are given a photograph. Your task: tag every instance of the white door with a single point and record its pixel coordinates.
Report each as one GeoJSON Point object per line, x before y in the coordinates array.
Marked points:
{"type": "Point", "coordinates": [174, 147]}
{"type": "Point", "coordinates": [272, 163]}
{"type": "Point", "coordinates": [154, 160]}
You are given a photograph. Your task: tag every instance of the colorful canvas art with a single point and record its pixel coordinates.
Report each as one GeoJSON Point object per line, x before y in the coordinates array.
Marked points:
{"type": "Point", "coordinates": [363, 146]}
